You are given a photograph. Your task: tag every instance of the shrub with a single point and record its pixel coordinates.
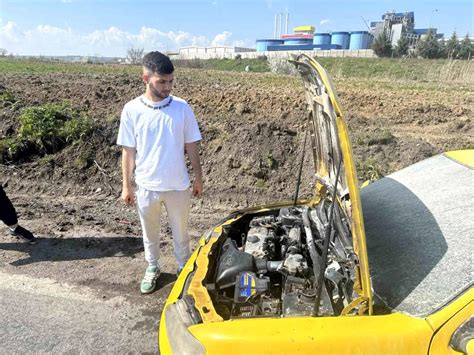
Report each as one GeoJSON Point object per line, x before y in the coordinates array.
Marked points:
{"type": "Point", "coordinates": [466, 48]}
{"type": "Point", "coordinates": [51, 126]}
{"type": "Point", "coordinates": [402, 47]}
{"type": "Point", "coordinates": [379, 136]}
{"type": "Point", "coordinates": [452, 47]}
{"type": "Point", "coordinates": [135, 55]}
{"type": "Point", "coordinates": [382, 45]}
{"type": "Point", "coordinates": [7, 98]}
{"type": "Point", "coordinates": [369, 170]}
{"type": "Point", "coordinates": [12, 149]}
{"type": "Point", "coordinates": [428, 47]}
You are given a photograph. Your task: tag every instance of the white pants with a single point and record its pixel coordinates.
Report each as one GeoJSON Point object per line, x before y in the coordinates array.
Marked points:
{"type": "Point", "coordinates": [177, 205]}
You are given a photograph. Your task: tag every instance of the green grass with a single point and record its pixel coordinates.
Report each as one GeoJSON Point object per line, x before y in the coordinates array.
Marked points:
{"type": "Point", "coordinates": [379, 136]}
{"type": "Point", "coordinates": [424, 70]}
{"type": "Point", "coordinates": [237, 65]}
{"type": "Point", "coordinates": [36, 66]}
{"type": "Point", "coordinates": [395, 70]}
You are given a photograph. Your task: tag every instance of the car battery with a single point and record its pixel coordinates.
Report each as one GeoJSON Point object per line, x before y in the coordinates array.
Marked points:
{"type": "Point", "coordinates": [247, 289]}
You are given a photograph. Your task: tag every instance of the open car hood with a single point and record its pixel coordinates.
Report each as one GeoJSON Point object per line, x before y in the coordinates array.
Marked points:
{"type": "Point", "coordinates": [232, 254]}
{"type": "Point", "coordinates": [332, 151]}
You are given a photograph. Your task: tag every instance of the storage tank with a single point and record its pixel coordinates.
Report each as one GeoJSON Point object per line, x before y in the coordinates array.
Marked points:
{"type": "Point", "coordinates": [298, 41]}
{"type": "Point", "coordinates": [341, 38]}
{"type": "Point", "coordinates": [262, 44]}
{"type": "Point", "coordinates": [293, 47]}
{"type": "Point", "coordinates": [326, 47]}
{"type": "Point", "coordinates": [360, 40]}
{"type": "Point", "coordinates": [322, 39]}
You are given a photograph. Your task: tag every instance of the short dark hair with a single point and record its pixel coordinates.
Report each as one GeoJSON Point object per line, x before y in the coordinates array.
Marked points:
{"type": "Point", "coordinates": [158, 62]}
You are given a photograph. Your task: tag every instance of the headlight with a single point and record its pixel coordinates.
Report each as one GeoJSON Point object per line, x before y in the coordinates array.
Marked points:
{"type": "Point", "coordinates": [179, 316]}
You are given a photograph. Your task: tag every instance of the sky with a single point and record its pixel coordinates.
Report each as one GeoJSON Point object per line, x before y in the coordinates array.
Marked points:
{"type": "Point", "coordinates": [111, 27]}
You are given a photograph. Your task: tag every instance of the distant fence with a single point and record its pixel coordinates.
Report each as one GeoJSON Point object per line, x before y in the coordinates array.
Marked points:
{"type": "Point", "coordinates": [361, 53]}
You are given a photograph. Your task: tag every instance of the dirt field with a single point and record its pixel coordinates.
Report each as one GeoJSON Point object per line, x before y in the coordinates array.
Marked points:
{"type": "Point", "coordinates": [253, 129]}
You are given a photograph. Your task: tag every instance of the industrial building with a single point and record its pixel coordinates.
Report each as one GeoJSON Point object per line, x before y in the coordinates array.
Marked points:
{"type": "Point", "coordinates": [396, 25]}
{"type": "Point", "coordinates": [322, 44]}
{"type": "Point", "coordinates": [212, 52]}
{"type": "Point", "coordinates": [305, 38]}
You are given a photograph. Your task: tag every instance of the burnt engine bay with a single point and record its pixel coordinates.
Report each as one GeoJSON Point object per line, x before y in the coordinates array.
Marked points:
{"type": "Point", "coordinates": [267, 264]}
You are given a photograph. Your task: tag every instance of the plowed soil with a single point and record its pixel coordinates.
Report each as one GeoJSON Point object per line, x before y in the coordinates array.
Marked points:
{"type": "Point", "coordinates": [253, 130]}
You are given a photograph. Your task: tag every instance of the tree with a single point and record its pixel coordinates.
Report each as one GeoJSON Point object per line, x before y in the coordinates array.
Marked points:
{"type": "Point", "coordinates": [466, 48]}
{"type": "Point", "coordinates": [382, 45]}
{"type": "Point", "coordinates": [135, 55]}
{"type": "Point", "coordinates": [3, 52]}
{"type": "Point", "coordinates": [428, 47]}
{"type": "Point", "coordinates": [442, 53]}
{"type": "Point", "coordinates": [452, 46]}
{"type": "Point", "coordinates": [402, 47]}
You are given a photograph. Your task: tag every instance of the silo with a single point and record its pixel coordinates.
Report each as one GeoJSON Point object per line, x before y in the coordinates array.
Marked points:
{"type": "Point", "coordinates": [340, 38]}
{"type": "Point", "coordinates": [360, 40]}
{"type": "Point", "coordinates": [262, 44]}
{"type": "Point", "coordinates": [322, 39]}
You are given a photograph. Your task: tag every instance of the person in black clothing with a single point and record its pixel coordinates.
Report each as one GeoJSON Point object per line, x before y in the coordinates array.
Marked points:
{"type": "Point", "coordinates": [9, 217]}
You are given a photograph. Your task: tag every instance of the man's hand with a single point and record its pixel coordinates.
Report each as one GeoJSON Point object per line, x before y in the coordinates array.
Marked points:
{"type": "Point", "coordinates": [197, 187]}
{"type": "Point", "coordinates": [128, 164]}
{"type": "Point", "coordinates": [192, 149]}
{"type": "Point", "coordinates": [128, 196]}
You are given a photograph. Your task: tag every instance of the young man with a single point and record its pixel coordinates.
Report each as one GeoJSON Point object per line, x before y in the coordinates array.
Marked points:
{"type": "Point", "coordinates": [9, 217]}
{"type": "Point", "coordinates": [156, 130]}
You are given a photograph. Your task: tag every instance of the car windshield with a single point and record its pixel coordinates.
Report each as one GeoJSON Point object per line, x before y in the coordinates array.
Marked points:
{"type": "Point", "coordinates": [419, 232]}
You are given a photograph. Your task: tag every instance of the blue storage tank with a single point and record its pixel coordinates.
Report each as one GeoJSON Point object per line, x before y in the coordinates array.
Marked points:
{"type": "Point", "coordinates": [262, 44]}
{"type": "Point", "coordinates": [326, 47]}
{"type": "Point", "coordinates": [360, 40]}
{"type": "Point", "coordinates": [292, 47]}
{"type": "Point", "coordinates": [341, 38]}
{"type": "Point", "coordinates": [298, 41]}
{"type": "Point", "coordinates": [322, 39]}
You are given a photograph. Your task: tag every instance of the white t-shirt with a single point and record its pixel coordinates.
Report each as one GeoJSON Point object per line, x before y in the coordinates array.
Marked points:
{"type": "Point", "coordinates": [158, 132]}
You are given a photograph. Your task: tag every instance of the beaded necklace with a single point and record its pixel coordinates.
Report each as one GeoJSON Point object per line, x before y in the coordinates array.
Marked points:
{"type": "Point", "coordinates": [156, 107]}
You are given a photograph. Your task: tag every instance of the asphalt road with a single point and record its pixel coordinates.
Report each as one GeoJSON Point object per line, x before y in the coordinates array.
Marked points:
{"type": "Point", "coordinates": [43, 316]}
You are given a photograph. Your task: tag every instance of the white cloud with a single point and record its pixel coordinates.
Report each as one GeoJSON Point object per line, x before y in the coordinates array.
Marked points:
{"type": "Point", "coordinates": [221, 39]}
{"type": "Point", "coordinates": [9, 33]}
{"type": "Point", "coordinates": [50, 40]}
{"type": "Point", "coordinates": [324, 22]}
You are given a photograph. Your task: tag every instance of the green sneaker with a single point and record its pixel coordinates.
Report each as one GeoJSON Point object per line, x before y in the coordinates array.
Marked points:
{"type": "Point", "coordinates": [149, 280]}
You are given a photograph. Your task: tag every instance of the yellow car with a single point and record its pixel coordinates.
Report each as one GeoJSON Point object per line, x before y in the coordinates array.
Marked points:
{"type": "Point", "coordinates": [293, 278]}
